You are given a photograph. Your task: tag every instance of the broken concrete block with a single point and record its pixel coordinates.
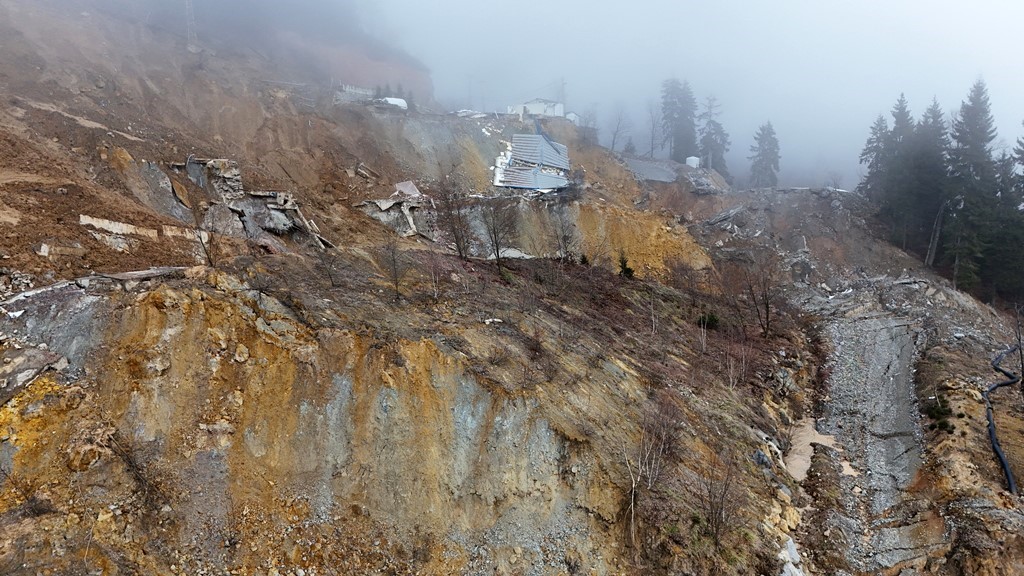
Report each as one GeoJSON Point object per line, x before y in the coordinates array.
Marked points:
{"type": "Point", "coordinates": [221, 220]}
{"type": "Point", "coordinates": [116, 227]}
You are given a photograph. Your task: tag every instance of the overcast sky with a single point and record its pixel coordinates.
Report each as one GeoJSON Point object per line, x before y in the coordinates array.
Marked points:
{"type": "Point", "coordinates": [820, 70]}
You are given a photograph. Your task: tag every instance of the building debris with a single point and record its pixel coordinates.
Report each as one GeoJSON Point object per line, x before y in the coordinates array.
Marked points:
{"type": "Point", "coordinates": [219, 176]}
{"type": "Point", "coordinates": [532, 162]}
{"type": "Point", "coordinates": [249, 214]}
{"type": "Point", "coordinates": [149, 274]}
{"type": "Point", "coordinates": [652, 170]}
{"type": "Point", "coordinates": [13, 282]}
{"type": "Point", "coordinates": [366, 172]}
{"type": "Point", "coordinates": [347, 94]}
{"type": "Point", "coordinates": [118, 228]}
{"type": "Point", "coordinates": [52, 251]}
{"type": "Point", "coordinates": [401, 214]}
{"type": "Point", "coordinates": [407, 188]}
{"type": "Point", "coordinates": [186, 233]}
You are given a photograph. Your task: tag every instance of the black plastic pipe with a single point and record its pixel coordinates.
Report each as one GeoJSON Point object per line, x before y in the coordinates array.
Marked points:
{"type": "Point", "coordinates": [1011, 380]}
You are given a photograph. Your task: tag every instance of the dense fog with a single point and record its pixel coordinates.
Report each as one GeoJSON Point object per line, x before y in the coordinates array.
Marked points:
{"type": "Point", "coordinates": [819, 71]}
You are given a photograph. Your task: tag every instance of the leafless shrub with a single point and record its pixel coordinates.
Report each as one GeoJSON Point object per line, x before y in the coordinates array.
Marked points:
{"type": "Point", "coordinates": [648, 459]}
{"type": "Point", "coordinates": [394, 263]}
{"type": "Point", "coordinates": [262, 282]}
{"type": "Point", "coordinates": [566, 236]}
{"type": "Point", "coordinates": [436, 272]}
{"type": "Point", "coordinates": [501, 223]}
{"type": "Point", "coordinates": [331, 262]}
{"type": "Point", "coordinates": [498, 356]}
{"type": "Point", "coordinates": [761, 280]}
{"type": "Point", "coordinates": [32, 503]}
{"type": "Point", "coordinates": [718, 497]}
{"type": "Point", "coordinates": [149, 488]}
{"type": "Point", "coordinates": [453, 211]}
{"type": "Point", "coordinates": [754, 288]}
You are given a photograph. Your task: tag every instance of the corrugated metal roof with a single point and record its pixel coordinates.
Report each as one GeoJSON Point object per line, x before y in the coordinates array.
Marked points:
{"type": "Point", "coordinates": [532, 178]}
{"type": "Point", "coordinates": [652, 170]}
{"type": "Point", "coordinates": [536, 149]}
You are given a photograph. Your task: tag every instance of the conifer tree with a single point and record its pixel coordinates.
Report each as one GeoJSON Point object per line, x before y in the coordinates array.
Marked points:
{"type": "Point", "coordinates": [875, 155]}
{"type": "Point", "coordinates": [932, 194]}
{"type": "Point", "coordinates": [764, 166]}
{"type": "Point", "coordinates": [678, 115]}
{"type": "Point", "coordinates": [714, 141]}
{"type": "Point", "coordinates": [973, 177]}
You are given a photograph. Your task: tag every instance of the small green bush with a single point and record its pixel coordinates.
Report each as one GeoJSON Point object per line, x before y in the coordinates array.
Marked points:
{"type": "Point", "coordinates": [624, 270]}
{"type": "Point", "coordinates": [708, 320]}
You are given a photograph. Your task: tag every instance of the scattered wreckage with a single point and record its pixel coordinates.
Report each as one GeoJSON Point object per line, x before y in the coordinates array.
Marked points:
{"type": "Point", "coordinates": [533, 162]}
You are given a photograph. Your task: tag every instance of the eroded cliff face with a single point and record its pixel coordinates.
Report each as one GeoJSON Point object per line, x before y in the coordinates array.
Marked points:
{"type": "Point", "coordinates": [206, 428]}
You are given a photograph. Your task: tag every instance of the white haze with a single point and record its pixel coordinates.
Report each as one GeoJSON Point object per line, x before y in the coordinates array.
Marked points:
{"type": "Point", "coordinates": [819, 70]}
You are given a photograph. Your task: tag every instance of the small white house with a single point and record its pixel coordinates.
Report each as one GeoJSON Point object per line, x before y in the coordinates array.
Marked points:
{"type": "Point", "coordinates": [573, 117]}
{"type": "Point", "coordinates": [396, 102]}
{"type": "Point", "coordinates": [539, 107]}
{"type": "Point", "coordinates": [693, 162]}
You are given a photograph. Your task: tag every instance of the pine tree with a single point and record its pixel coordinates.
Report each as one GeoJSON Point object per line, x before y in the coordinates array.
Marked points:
{"type": "Point", "coordinates": [630, 148]}
{"type": "Point", "coordinates": [932, 176]}
{"type": "Point", "coordinates": [899, 189]}
{"type": "Point", "coordinates": [678, 115]}
{"type": "Point", "coordinates": [1018, 157]}
{"type": "Point", "coordinates": [714, 141]}
{"type": "Point", "coordinates": [876, 155]}
{"type": "Point", "coordinates": [764, 166]}
{"type": "Point", "coordinates": [973, 177]}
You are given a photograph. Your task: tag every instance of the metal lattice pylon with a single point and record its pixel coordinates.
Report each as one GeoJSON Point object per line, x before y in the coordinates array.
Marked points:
{"type": "Point", "coordinates": [190, 26]}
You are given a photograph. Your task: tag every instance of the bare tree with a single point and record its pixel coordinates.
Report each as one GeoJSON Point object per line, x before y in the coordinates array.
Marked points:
{"type": "Point", "coordinates": [834, 179]}
{"type": "Point", "coordinates": [435, 269]}
{"type": "Point", "coordinates": [719, 499]}
{"type": "Point", "coordinates": [761, 281]}
{"type": "Point", "coordinates": [395, 264]}
{"type": "Point", "coordinates": [566, 236]}
{"type": "Point", "coordinates": [588, 127]}
{"type": "Point", "coordinates": [654, 123]}
{"type": "Point", "coordinates": [647, 461]}
{"type": "Point", "coordinates": [620, 125]}
{"type": "Point", "coordinates": [501, 223]}
{"type": "Point", "coordinates": [453, 211]}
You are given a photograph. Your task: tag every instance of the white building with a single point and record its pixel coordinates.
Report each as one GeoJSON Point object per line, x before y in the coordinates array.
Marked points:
{"type": "Point", "coordinates": [539, 107]}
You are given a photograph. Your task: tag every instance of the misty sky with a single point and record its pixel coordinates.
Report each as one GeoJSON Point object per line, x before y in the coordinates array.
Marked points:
{"type": "Point", "coordinates": [819, 70]}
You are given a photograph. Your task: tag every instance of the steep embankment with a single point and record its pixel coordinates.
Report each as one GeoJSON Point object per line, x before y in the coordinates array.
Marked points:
{"type": "Point", "coordinates": [209, 424]}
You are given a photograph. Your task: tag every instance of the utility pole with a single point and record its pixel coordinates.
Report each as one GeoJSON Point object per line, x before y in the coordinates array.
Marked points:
{"type": "Point", "coordinates": [191, 41]}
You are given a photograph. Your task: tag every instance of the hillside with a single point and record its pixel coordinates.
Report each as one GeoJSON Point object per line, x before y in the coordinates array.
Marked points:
{"type": "Point", "coordinates": [229, 347]}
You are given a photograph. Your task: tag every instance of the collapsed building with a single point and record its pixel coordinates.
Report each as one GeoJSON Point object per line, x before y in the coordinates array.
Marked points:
{"type": "Point", "coordinates": [701, 181]}
{"type": "Point", "coordinates": [255, 215]}
{"type": "Point", "coordinates": [532, 162]}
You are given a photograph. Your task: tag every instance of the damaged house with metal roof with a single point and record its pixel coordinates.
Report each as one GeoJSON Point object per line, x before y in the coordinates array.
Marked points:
{"type": "Point", "coordinates": [533, 162]}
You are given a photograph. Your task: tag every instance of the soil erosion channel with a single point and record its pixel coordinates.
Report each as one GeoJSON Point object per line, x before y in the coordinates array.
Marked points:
{"type": "Point", "coordinates": [871, 412]}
